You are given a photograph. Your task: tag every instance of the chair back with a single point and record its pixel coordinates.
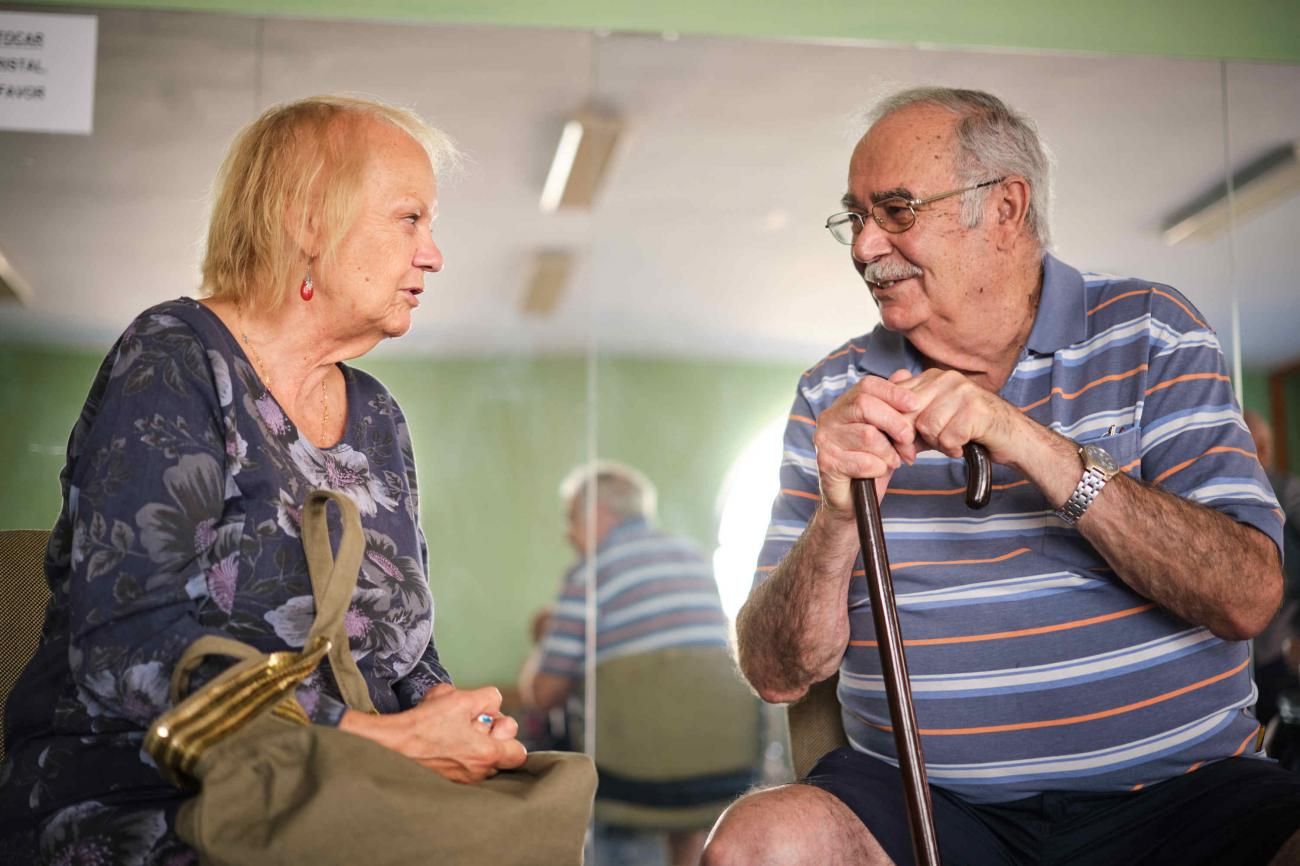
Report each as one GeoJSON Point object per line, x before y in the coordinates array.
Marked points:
{"type": "Point", "coordinates": [816, 726]}
{"type": "Point", "coordinates": [23, 596]}
{"type": "Point", "coordinates": [675, 716]}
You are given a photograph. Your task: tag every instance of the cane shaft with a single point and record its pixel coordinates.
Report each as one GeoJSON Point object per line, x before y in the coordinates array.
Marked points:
{"type": "Point", "coordinates": [893, 664]}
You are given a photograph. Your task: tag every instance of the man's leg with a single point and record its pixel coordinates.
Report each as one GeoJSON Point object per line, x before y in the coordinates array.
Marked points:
{"type": "Point", "coordinates": [1238, 811]}
{"type": "Point", "coordinates": [792, 825]}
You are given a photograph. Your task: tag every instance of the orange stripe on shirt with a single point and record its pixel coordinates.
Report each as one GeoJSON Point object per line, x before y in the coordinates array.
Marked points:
{"type": "Point", "coordinates": [1181, 306]}
{"type": "Point", "coordinates": [1217, 449]}
{"type": "Point", "coordinates": [952, 491]}
{"type": "Point", "coordinates": [1114, 377]}
{"type": "Point", "coordinates": [1003, 558]}
{"type": "Point", "coordinates": [1024, 632]}
{"type": "Point", "coordinates": [839, 354]}
{"type": "Point", "coordinates": [1075, 720]}
{"type": "Point", "coordinates": [810, 422]}
{"type": "Point", "coordinates": [1104, 304]}
{"type": "Point", "coordinates": [802, 494]}
{"type": "Point", "coordinates": [1254, 735]}
{"type": "Point", "coordinates": [1160, 386]}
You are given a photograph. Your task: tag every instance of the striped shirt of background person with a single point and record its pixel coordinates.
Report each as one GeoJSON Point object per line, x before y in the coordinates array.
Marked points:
{"type": "Point", "coordinates": [653, 591]}
{"type": "Point", "coordinates": [1034, 667]}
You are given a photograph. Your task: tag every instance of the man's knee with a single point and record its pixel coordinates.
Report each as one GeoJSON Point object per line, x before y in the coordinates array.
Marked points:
{"type": "Point", "coordinates": [789, 826]}
{"type": "Point", "coordinates": [752, 831]}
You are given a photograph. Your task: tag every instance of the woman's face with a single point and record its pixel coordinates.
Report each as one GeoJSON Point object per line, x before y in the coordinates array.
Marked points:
{"type": "Point", "coordinates": [378, 272]}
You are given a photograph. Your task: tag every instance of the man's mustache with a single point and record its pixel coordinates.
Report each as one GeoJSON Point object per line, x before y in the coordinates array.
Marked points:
{"type": "Point", "coordinates": [888, 272]}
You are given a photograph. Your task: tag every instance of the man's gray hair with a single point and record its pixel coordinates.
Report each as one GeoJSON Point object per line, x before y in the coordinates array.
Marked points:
{"type": "Point", "coordinates": [993, 140]}
{"type": "Point", "coordinates": [620, 488]}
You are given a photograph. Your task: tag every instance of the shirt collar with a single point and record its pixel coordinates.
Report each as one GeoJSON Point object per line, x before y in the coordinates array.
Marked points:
{"type": "Point", "coordinates": [1062, 318]}
{"type": "Point", "coordinates": [1061, 321]}
{"type": "Point", "coordinates": [887, 351]}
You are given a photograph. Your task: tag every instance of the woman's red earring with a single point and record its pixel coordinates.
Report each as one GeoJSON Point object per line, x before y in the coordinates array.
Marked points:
{"type": "Point", "coordinates": [307, 289]}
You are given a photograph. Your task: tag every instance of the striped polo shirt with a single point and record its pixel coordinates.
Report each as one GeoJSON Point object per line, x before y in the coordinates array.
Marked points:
{"type": "Point", "coordinates": [653, 591]}
{"type": "Point", "coordinates": [1033, 666]}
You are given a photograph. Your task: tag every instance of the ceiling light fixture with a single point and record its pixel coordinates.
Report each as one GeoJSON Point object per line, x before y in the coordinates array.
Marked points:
{"type": "Point", "coordinates": [12, 285]}
{"type": "Point", "coordinates": [581, 159]}
{"type": "Point", "coordinates": [1257, 186]}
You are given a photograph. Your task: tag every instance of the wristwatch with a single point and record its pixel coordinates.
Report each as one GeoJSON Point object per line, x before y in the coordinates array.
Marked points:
{"type": "Point", "coordinates": [1098, 468]}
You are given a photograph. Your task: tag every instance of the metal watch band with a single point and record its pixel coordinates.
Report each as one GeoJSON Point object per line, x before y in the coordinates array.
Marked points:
{"type": "Point", "coordinates": [1089, 486]}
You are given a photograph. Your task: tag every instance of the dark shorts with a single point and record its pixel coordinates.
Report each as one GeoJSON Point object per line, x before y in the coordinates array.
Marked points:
{"type": "Point", "coordinates": [1236, 812]}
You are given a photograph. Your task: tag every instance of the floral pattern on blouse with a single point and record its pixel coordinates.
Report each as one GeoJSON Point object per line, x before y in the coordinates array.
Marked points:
{"type": "Point", "coordinates": [182, 505]}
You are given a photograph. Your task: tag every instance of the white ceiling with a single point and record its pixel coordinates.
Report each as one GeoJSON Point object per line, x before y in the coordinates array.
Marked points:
{"type": "Point", "coordinates": [707, 238]}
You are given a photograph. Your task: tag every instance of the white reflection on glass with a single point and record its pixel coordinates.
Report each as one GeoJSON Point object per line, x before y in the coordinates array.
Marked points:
{"type": "Point", "coordinates": [747, 494]}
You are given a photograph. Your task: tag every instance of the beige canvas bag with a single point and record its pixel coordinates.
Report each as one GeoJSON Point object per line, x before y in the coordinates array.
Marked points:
{"type": "Point", "coordinates": [272, 788]}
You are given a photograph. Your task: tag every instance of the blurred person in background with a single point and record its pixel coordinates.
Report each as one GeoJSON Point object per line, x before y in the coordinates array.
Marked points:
{"type": "Point", "coordinates": [656, 595]}
{"type": "Point", "coordinates": [1273, 672]}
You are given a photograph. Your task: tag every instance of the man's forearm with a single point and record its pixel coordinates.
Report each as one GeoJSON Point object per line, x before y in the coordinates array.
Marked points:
{"type": "Point", "coordinates": [793, 630]}
{"type": "Point", "coordinates": [1196, 562]}
{"type": "Point", "coordinates": [1199, 564]}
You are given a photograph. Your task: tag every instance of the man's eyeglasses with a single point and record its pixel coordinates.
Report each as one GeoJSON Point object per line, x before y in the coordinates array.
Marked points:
{"type": "Point", "coordinates": [894, 215]}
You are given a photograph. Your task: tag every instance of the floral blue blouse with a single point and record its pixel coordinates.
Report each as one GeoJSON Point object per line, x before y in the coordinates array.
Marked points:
{"type": "Point", "coordinates": [180, 518]}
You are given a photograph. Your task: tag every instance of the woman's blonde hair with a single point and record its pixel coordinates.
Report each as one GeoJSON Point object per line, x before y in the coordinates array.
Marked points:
{"type": "Point", "coordinates": [299, 162]}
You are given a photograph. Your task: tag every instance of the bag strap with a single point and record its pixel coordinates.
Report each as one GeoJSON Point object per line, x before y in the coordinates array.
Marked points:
{"type": "Point", "coordinates": [333, 581]}
{"type": "Point", "coordinates": [211, 645]}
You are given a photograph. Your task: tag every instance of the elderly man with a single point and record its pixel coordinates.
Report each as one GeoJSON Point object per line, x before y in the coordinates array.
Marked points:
{"type": "Point", "coordinates": [1079, 651]}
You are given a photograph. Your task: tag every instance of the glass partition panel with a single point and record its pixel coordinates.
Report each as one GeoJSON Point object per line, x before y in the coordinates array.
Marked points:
{"type": "Point", "coordinates": [1260, 154]}
{"type": "Point", "coordinates": [103, 226]}
{"type": "Point", "coordinates": [1250, 218]}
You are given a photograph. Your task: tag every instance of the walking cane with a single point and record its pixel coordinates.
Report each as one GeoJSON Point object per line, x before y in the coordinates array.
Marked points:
{"type": "Point", "coordinates": [893, 663]}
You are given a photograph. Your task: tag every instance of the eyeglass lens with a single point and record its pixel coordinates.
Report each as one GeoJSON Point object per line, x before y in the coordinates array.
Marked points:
{"type": "Point", "coordinates": [893, 215]}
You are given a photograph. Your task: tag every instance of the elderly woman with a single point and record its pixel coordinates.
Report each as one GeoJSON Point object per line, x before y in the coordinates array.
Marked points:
{"type": "Point", "coordinates": [206, 426]}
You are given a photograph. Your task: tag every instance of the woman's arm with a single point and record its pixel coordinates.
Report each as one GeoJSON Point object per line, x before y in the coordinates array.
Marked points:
{"type": "Point", "coordinates": [153, 534]}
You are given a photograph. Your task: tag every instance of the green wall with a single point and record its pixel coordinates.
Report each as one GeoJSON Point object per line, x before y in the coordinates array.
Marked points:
{"type": "Point", "coordinates": [684, 423]}
{"type": "Point", "coordinates": [1253, 29]}
{"type": "Point", "coordinates": [1254, 387]}
{"type": "Point", "coordinates": [493, 439]}
{"type": "Point", "coordinates": [41, 392]}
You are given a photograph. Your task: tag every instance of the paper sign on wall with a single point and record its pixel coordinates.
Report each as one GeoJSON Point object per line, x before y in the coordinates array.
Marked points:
{"type": "Point", "coordinates": [47, 72]}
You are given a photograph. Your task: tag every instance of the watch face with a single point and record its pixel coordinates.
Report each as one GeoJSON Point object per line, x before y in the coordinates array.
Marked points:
{"type": "Point", "coordinates": [1099, 458]}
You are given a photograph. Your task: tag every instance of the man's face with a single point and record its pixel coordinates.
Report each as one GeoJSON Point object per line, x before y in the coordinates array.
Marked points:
{"type": "Point", "coordinates": [936, 271]}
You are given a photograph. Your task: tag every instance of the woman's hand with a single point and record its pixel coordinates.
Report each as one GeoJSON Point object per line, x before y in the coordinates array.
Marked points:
{"type": "Point", "coordinates": [448, 733]}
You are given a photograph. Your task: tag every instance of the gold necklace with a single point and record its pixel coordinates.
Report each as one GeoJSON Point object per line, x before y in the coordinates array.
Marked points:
{"type": "Point", "coordinates": [266, 378]}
